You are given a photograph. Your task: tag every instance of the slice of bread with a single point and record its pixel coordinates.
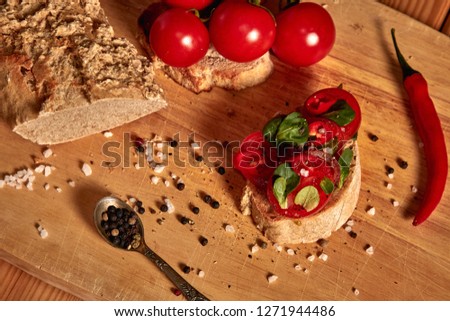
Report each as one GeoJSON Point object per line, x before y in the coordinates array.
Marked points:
{"type": "Point", "coordinates": [65, 75]}
{"type": "Point", "coordinates": [213, 70]}
{"type": "Point", "coordinates": [283, 230]}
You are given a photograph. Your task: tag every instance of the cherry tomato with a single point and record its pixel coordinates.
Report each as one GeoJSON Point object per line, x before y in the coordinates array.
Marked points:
{"type": "Point", "coordinates": [313, 167]}
{"type": "Point", "coordinates": [305, 34]}
{"type": "Point", "coordinates": [189, 4]}
{"type": "Point", "coordinates": [323, 130]}
{"type": "Point", "coordinates": [179, 38]}
{"type": "Point", "coordinates": [256, 159]}
{"type": "Point", "coordinates": [240, 31]}
{"type": "Point", "coordinates": [321, 102]}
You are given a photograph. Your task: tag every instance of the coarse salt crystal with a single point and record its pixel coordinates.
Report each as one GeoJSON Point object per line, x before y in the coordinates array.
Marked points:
{"type": "Point", "coordinates": [389, 186]}
{"type": "Point", "coordinates": [255, 248]}
{"type": "Point", "coordinates": [305, 271]}
{"type": "Point", "coordinates": [391, 175]}
{"type": "Point", "coordinates": [159, 168]}
{"type": "Point", "coordinates": [323, 257]}
{"type": "Point", "coordinates": [137, 166]}
{"type": "Point", "coordinates": [371, 211]}
{"type": "Point", "coordinates": [348, 228]}
{"type": "Point", "coordinates": [278, 247]}
{"type": "Point", "coordinates": [201, 274]}
{"type": "Point", "coordinates": [370, 250]}
{"type": "Point", "coordinates": [47, 153]}
{"type": "Point", "coordinates": [42, 232]}
{"type": "Point", "coordinates": [154, 180]}
{"type": "Point", "coordinates": [30, 186]}
{"type": "Point", "coordinates": [2, 183]}
{"type": "Point", "coordinates": [173, 175]}
{"type": "Point", "coordinates": [47, 186]}
{"type": "Point", "coordinates": [132, 200]}
{"type": "Point", "coordinates": [40, 169]}
{"type": "Point", "coordinates": [159, 145]}
{"type": "Point", "coordinates": [108, 134]}
{"type": "Point", "coordinates": [58, 189]}
{"type": "Point", "coordinates": [413, 189]}
{"type": "Point", "coordinates": [86, 169]}
{"type": "Point", "coordinates": [170, 207]}
{"type": "Point", "coordinates": [71, 183]}
{"type": "Point", "coordinates": [350, 223]}
{"type": "Point", "coordinates": [311, 258]}
{"type": "Point", "coordinates": [47, 170]}
{"type": "Point", "coordinates": [355, 291]}
{"type": "Point", "coordinates": [395, 203]}
{"type": "Point", "coordinates": [304, 172]}
{"type": "Point", "coordinates": [167, 183]}
{"type": "Point", "coordinates": [229, 228]}
{"type": "Point", "coordinates": [290, 252]}
{"type": "Point", "coordinates": [195, 145]}
{"type": "Point", "coordinates": [298, 267]}
{"type": "Point", "coordinates": [272, 278]}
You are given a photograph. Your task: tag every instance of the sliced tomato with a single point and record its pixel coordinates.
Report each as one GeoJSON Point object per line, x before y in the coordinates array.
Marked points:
{"type": "Point", "coordinates": [256, 159]}
{"type": "Point", "coordinates": [323, 130]}
{"type": "Point", "coordinates": [324, 101]}
{"type": "Point", "coordinates": [314, 168]}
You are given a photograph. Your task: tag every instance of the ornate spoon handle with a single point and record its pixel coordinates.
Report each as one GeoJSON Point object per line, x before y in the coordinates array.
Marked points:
{"type": "Point", "coordinates": [188, 290]}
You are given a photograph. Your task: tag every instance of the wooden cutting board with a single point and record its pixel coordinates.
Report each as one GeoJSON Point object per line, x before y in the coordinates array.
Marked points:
{"type": "Point", "coordinates": [409, 263]}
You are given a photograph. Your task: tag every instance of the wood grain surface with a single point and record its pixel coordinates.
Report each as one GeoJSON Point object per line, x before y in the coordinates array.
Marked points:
{"type": "Point", "coordinates": [409, 263]}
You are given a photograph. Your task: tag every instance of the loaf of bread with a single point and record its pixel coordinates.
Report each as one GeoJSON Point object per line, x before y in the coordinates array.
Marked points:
{"type": "Point", "coordinates": [64, 75]}
{"type": "Point", "coordinates": [283, 230]}
{"type": "Point", "coordinates": [213, 70]}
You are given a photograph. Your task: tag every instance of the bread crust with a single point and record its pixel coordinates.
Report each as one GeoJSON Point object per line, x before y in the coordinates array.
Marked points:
{"type": "Point", "coordinates": [283, 230]}
{"type": "Point", "coordinates": [61, 57]}
{"type": "Point", "coordinates": [211, 71]}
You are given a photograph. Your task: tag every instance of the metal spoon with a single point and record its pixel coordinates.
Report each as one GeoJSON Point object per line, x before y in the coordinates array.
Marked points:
{"type": "Point", "coordinates": [139, 246]}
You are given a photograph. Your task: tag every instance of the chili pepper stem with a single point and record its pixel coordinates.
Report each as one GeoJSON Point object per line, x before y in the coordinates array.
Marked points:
{"type": "Point", "coordinates": [406, 68]}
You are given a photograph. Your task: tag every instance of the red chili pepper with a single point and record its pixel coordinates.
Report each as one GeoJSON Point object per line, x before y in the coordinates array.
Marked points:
{"type": "Point", "coordinates": [430, 132]}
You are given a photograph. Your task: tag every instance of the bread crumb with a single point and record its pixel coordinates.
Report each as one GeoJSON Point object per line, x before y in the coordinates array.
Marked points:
{"type": "Point", "coordinates": [255, 248]}
{"type": "Point", "coordinates": [290, 252]}
{"type": "Point", "coordinates": [371, 211]}
{"type": "Point", "coordinates": [47, 153]}
{"type": "Point", "coordinates": [311, 258]}
{"type": "Point", "coordinates": [395, 203]}
{"type": "Point", "coordinates": [323, 257]}
{"type": "Point", "coordinates": [369, 249]}
{"type": "Point", "coordinates": [86, 169]}
{"type": "Point", "coordinates": [229, 228]}
{"type": "Point", "coordinates": [272, 278]}
{"type": "Point", "coordinates": [201, 274]}
{"type": "Point", "coordinates": [108, 134]}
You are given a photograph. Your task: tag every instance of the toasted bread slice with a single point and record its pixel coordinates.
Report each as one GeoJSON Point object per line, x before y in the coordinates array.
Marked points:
{"type": "Point", "coordinates": [213, 70]}
{"type": "Point", "coordinates": [283, 230]}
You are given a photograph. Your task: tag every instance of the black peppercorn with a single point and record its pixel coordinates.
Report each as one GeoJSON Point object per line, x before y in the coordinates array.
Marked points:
{"type": "Point", "coordinates": [373, 137]}
{"type": "Point", "coordinates": [111, 209]}
{"type": "Point", "coordinates": [180, 186]}
{"type": "Point", "coordinates": [173, 143]}
{"type": "Point", "coordinates": [186, 269]}
{"type": "Point", "coordinates": [215, 204]}
{"type": "Point", "coordinates": [353, 235]}
{"type": "Point", "coordinates": [221, 170]}
{"type": "Point", "coordinates": [140, 148]}
{"type": "Point", "coordinates": [164, 208]}
{"type": "Point", "coordinates": [403, 164]}
{"type": "Point", "coordinates": [184, 220]}
{"type": "Point", "coordinates": [195, 210]}
{"type": "Point", "coordinates": [199, 158]}
{"type": "Point", "coordinates": [138, 203]}
{"type": "Point", "coordinates": [203, 241]}
{"type": "Point", "coordinates": [207, 199]}
{"type": "Point", "coordinates": [390, 170]}
{"type": "Point", "coordinates": [141, 210]}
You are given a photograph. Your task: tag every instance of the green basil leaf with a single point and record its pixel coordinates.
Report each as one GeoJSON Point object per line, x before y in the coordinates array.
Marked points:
{"type": "Point", "coordinates": [308, 197]}
{"type": "Point", "coordinates": [292, 179]}
{"type": "Point", "coordinates": [327, 185]}
{"type": "Point", "coordinates": [293, 130]}
{"type": "Point", "coordinates": [279, 190]}
{"type": "Point", "coordinates": [341, 113]}
{"type": "Point", "coordinates": [271, 128]}
{"type": "Point", "coordinates": [344, 162]}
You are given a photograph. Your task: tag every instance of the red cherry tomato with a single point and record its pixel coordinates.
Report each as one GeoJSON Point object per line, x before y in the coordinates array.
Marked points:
{"type": "Point", "coordinates": [312, 166]}
{"type": "Point", "coordinates": [189, 4]}
{"type": "Point", "coordinates": [240, 31]}
{"type": "Point", "coordinates": [179, 38]}
{"type": "Point", "coordinates": [321, 101]}
{"type": "Point", "coordinates": [305, 34]}
{"type": "Point", "coordinates": [323, 130]}
{"type": "Point", "coordinates": [256, 159]}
